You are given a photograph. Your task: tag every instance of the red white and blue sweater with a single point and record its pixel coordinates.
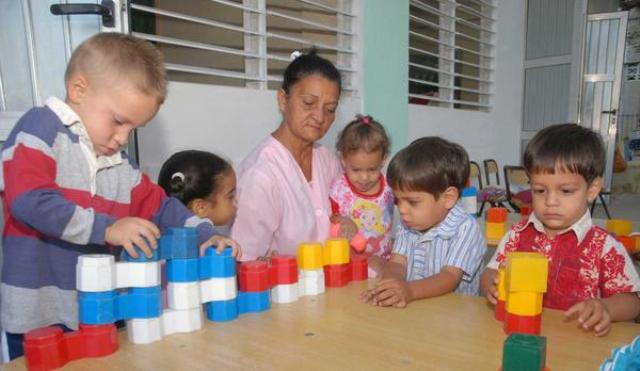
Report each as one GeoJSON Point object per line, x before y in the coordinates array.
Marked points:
{"type": "Point", "coordinates": [58, 202]}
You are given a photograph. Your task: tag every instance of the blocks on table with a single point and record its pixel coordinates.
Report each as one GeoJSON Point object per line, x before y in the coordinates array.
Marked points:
{"type": "Point", "coordinates": [619, 227]}
{"type": "Point", "coordinates": [527, 271]}
{"type": "Point", "coordinates": [524, 352]}
{"type": "Point", "coordinates": [99, 273]}
{"type": "Point", "coordinates": [311, 282]}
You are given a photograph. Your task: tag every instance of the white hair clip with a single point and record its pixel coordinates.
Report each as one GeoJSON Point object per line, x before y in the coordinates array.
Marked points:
{"type": "Point", "coordinates": [295, 54]}
{"type": "Point", "coordinates": [178, 175]}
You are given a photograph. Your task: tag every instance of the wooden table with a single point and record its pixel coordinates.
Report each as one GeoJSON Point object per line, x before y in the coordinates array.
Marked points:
{"type": "Point", "coordinates": [335, 331]}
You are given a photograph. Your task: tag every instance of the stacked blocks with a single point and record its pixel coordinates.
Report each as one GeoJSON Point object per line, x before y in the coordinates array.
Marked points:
{"type": "Point", "coordinates": [47, 348]}
{"type": "Point", "coordinates": [502, 294]}
{"type": "Point", "coordinates": [496, 224]}
{"type": "Point", "coordinates": [337, 272]}
{"type": "Point", "coordinates": [311, 274]}
{"type": "Point", "coordinates": [469, 200]}
{"type": "Point", "coordinates": [526, 283]}
{"type": "Point", "coordinates": [218, 285]}
{"type": "Point", "coordinates": [524, 352]}
{"type": "Point", "coordinates": [284, 279]}
{"type": "Point", "coordinates": [254, 282]}
{"type": "Point", "coordinates": [358, 242]}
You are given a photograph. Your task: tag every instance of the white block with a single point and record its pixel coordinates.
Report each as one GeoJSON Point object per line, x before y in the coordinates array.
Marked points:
{"type": "Point", "coordinates": [134, 274]}
{"type": "Point", "coordinates": [285, 293]}
{"type": "Point", "coordinates": [181, 320]}
{"type": "Point", "coordinates": [310, 282]}
{"type": "Point", "coordinates": [144, 330]}
{"type": "Point", "coordinates": [215, 289]}
{"type": "Point", "coordinates": [183, 295]}
{"type": "Point", "coordinates": [95, 273]}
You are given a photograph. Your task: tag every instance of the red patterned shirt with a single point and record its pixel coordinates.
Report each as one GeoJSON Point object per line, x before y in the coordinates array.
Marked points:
{"type": "Point", "coordinates": [584, 261]}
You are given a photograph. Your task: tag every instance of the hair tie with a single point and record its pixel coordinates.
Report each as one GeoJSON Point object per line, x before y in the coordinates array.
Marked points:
{"type": "Point", "coordinates": [295, 55]}
{"type": "Point", "coordinates": [365, 120]}
{"type": "Point", "coordinates": [178, 175]}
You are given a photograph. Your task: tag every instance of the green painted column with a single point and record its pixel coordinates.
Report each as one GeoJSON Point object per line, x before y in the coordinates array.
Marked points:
{"type": "Point", "coordinates": [385, 61]}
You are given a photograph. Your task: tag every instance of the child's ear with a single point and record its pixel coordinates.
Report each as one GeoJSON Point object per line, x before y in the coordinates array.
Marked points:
{"type": "Point", "coordinates": [77, 87]}
{"type": "Point", "coordinates": [282, 100]}
{"type": "Point", "coordinates": [450, 197]}
{"type": "Point", "coordinates": [594, 188]}
{"type": "Point", "coordinates": [199, 207]}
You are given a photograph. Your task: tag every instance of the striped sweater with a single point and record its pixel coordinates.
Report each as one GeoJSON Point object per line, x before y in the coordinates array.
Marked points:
{"type": "Point", "coordinates": [58, 201]}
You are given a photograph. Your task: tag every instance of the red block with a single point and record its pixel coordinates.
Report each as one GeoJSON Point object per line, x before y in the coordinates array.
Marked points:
{"type": "Point", "coordinates": [497, 215]}
{"type": "Point", "coordinates": [48, 348]}
{"type": "Point", "coordinates": [522, 324]}
{"type": "Point", "coordinates": [337, 275]}
{"type": "Point", "coordinates": [254, 276]}
{"type": "Point", "coordinates": [500, 310]}
{"type": "Point", "coordinates": [283, 270]}
{"type": "Point", "coordinates": [359, 268]}
{"type": "Point", "coordinates": [629, 243]}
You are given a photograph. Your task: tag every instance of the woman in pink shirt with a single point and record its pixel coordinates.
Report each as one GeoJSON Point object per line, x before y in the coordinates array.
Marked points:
{"type": "Point", "coordinates": [283, 186]}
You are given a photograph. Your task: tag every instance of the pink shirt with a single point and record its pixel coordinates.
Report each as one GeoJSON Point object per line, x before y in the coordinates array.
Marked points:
{"type": "Point", "coordinates": [277, 207]}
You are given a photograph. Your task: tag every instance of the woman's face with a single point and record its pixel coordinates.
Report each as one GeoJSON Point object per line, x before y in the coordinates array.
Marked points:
{"type": "Point", "coordinates": [310, 107]}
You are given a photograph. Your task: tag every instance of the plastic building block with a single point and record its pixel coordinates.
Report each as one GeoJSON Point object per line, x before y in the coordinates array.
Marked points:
{"type": "Point", "coordinates": [337, 275]}
{"type": "Point", "coordinates": [525, 303]}
{"type": "Point", "coordinates": [285, 293]}
{"type": "Point", "coordinates": [619, 227]}
{"type": "Point", "coordinates": [179, 243]}
{"type": "Point", "coordinates": [183, 295]}
{"type": "Point", "coordinates": [183, 270]}
{"type": "Point", "coordinates": [144, 330]}
{"type": "Point", "coordinates": [527, 271]}
{"type": "Point", "coordinates": [501, 311]}
{"type": "Point", "coordinates": [358, 242]}
{"type": "Point", "coordinates": [216, 289]}
{"type": "Point", "coordinates": [502, 294]}
{"type": "Point", "coordinates": [495, 231]}
{"type": "Point", "coordinates": [97, 308]}
{"type": "Point", "coordinates": [130, 274]}
{"type": "Point", "coordinates": [628, 242]}
{"type": "Point", "coordinates": [214, 265]}
{"type": "Point", "coordinates": [95, 273]}
{"type": "Point", "coordinates": [469, 200]}
{"type": "Point", "coordinates": [142, 258]}
{"type": "Point", "coordinates": [524, 352]}
{"type": "Point", "coordinates": [283, 270]}
{"type": "Point", "coordinates": [187, 320]}
{"type": "Point", "coordinates": [222, 311]}
{"type": "Point", "coordinates": [311, 282]}
{"type": "Point", "coordinates": [359, 268]}
{"type": "Point", "coordinates": [522, 324]}
{"type": "Point", "coordinates": [250, 302]}
{"type": "Point", "coordinates": [497, 215]}
{"type": "Point", "coordinates": [47, 348]}
{"type": "Point", "coordinates": [310, 256]}
{"type": "Point", "coordinates": [336, 251]}
{"type": "Point", "coordinates": [636, 238]}
{"type": "Point", "coordinates": [139, 302]}
{"type": "Point", "coordinates": [254, 276]}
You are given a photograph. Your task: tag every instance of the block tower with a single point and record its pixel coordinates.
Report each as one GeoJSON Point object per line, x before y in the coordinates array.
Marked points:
{"type": "Point", "coordinates": [526, 282]}
{"type": "Point", "coordinates": [523, 352]}
{"type": "Point", "coordinates": [496, 225]}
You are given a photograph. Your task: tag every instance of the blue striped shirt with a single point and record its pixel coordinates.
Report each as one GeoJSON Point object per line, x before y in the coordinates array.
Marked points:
{"type": "Point", "coordinates": [456, 242]}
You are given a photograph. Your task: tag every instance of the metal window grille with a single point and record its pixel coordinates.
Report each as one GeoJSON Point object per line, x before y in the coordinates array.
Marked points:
{"type": "Point", "coordinates": [245, 43]}
{"type": "Point", "coordinates": [451, 53]}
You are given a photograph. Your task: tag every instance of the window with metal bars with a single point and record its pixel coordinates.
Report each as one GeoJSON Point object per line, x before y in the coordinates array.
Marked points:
{"type": "Point", "coordinates": [451, 53]}
{"type": "Point", "coordinates": [245, 43]}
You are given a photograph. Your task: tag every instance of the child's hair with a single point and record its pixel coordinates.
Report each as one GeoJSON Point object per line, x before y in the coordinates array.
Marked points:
{"type": "Point", "coordinates": [192, 174]}
{"type": "Point", "coordinates": [310, 64]}
{"type": "Point", "coordinates": [111, 55]}
{"type": "Point", "coordinates": [429, 164]}
{"type": "Point", "coordinates": [568, 147]}
{"type": "Point", "coordinates": [363, 134]}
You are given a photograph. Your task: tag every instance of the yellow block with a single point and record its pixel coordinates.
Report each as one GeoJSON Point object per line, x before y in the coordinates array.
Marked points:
{"type": "Point", "coordinates": [619, 227]}
{"type": "Point", "coordinates": [637, 239]}
{"type": "Point", "coordinates": [526, 271]}
{"type": "Point", "coordinates": [524, 303]}
{"type": "Point", "coordinates": [310, 255]}
{"type": "Point", "coordinates": [502, 284]}
{"type": "Point", "coordinates": [495, 231]}
{"type": "Point", "coordinates": [336, 251]}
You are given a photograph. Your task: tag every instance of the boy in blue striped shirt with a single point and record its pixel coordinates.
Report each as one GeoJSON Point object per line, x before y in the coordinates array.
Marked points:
{"type": "Point", "coordinates": [439, 247]}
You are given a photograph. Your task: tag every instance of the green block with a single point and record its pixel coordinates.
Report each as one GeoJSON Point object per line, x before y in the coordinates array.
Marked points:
{"type": "Point", "coordinates": [523, 352]}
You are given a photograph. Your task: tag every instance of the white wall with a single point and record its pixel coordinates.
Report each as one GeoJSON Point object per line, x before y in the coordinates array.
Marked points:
{"type": "Point", "coordinates": [227, 121]}
{"type": "Point", "coordinates": [494, 134]}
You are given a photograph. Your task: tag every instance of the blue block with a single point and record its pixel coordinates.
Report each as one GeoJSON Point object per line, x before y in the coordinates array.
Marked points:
{"type": "Point", "coordinates": [97, 308]}
{"type": "Point", "coordinates": [182, 270]}
{"type": "Point", "coordinates": [221, 311]}
{"type": "Point", "coordinates": [140, 302]}
{"type": "Point", "coordinates": [179, 243]}
{"type": "Point", "coordinates": [213, 265]}
{"type": "Point", "coordinates": [249, 302]}
{"type": "Point", "coordinates": [142, 258]}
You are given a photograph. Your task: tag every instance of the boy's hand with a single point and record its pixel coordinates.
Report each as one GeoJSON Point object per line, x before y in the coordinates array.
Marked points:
{"type": "Point", "coordinates": [221, 242]}
{"type": "Point", "coordinates": [592, 314]}
{"type": "Point", "coordinates": [489, 285]}
{"type": "Point", "coordinates": [130, 231]}
{"type": "Point", "coordinates": [389, 292]}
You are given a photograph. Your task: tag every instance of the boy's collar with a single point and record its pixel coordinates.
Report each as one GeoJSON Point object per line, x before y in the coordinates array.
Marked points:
{"type": "Point", "coordinates": [448, 227]}
{"type": "Point", "coordinates": [580, 228]}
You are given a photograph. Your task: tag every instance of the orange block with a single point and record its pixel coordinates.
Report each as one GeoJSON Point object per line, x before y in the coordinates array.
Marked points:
{"type": "Point", "coordinates": [497, 215]}
{"type": "Point", "coordinates": [628, 242]}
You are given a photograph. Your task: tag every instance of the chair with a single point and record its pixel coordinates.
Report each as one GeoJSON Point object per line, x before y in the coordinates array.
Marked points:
{"type": "Point", "coordinates": [604, 204]}
{"type": "Point", "coordinates": [493, 195]}
{"type": "Point", "coordinates": [516, 181]}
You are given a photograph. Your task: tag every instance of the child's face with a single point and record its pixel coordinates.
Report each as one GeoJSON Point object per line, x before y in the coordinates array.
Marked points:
{"type": "Point", "coordinates": [420, 210]}
{"type": "Point", "coordinates": [561, 199]}
{"type": "Point", "coordinates": [363, 170]}
{"type": "Point", "coordinates": [110, 112]}
{"type": "Point", "coordinates": [221, 207]}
